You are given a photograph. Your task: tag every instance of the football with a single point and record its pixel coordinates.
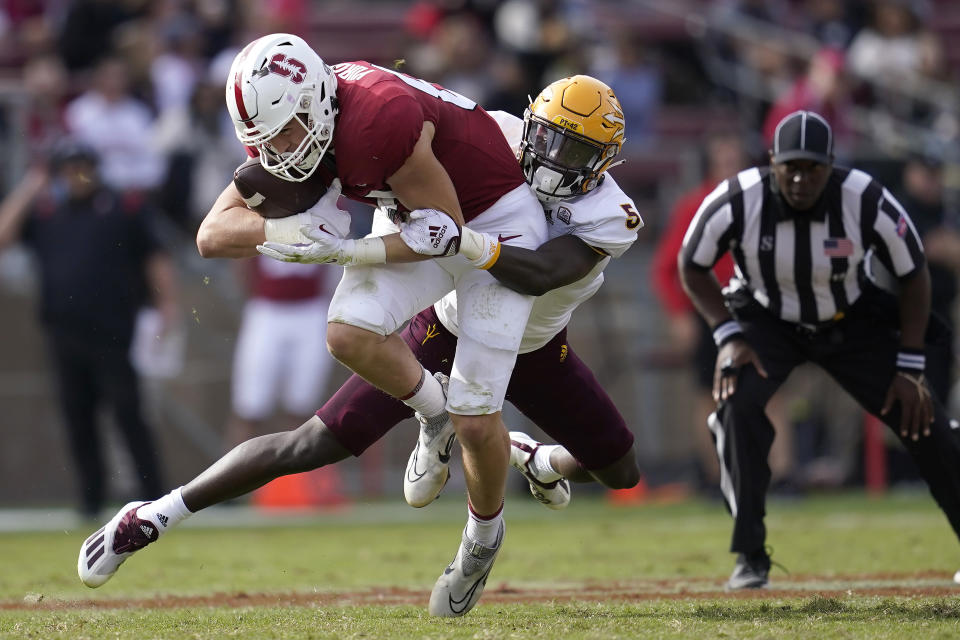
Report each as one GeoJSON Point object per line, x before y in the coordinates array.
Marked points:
{"type": "Point", "coordinates": [273, 197]}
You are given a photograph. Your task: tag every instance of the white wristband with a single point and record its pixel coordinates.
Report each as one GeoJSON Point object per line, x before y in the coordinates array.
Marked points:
{"type": "Point", "coordinates": [364, 251]}
{"type": "Point", "coordinates": [481, 249]}
{"type": "Point", "coordinates": [725, 331]}
{"type": "Point", "coordinates": [285, 230]}
{"type": "Point", "coordinates": [911, 360]}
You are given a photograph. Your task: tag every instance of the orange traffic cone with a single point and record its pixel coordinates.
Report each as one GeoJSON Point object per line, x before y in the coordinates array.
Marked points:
{"type": "Point", "coordinates": [310, 490]}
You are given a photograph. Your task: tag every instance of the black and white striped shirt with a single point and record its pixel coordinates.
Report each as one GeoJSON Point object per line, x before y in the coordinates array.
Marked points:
{"type": "Point", "coordinates": [803, 266]}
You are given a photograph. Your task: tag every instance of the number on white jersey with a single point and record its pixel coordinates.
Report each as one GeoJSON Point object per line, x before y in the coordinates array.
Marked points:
{"type": "Point", "coordinates": [633, 218]}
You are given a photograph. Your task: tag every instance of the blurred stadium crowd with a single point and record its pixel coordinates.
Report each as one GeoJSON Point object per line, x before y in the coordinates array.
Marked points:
{"type": "Point", "coordinates": [702, 83]}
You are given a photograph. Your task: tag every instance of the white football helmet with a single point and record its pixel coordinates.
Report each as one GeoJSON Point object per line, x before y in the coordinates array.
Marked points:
{"type": "Point", "coordinates": [274, 80]}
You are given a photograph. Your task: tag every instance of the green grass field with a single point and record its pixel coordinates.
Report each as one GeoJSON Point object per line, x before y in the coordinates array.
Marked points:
{"type": "Point", "coordinates": [858, 568]}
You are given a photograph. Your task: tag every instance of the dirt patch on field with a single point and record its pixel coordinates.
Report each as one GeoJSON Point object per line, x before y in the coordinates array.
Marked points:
{"type": "Point", "coordinates": [921, 584]}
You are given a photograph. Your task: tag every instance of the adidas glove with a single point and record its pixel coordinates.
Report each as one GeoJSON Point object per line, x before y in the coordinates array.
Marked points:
{"type": "Point", "coordinates": [430, 232]}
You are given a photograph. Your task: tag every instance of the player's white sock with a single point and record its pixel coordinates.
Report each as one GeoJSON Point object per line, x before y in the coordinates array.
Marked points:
{"type": "Point", "coordinates": [427, 399]}
{"type": "Point", "coordinates": [483, 529]}
{"type": "Point", "coordinates": [165, 512]}
{"type": "Point", "coordinates": [542, 467]}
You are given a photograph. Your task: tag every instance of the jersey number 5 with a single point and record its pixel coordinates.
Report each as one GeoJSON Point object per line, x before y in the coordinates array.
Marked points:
{"type": "Point", "coordinates": [446, 95]}
{"type": "Point", "coordinates": [633, 218]}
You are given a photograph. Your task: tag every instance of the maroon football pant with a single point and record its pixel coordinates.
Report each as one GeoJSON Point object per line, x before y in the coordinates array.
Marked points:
{"type": "Point", "coordinates": [551, 386]}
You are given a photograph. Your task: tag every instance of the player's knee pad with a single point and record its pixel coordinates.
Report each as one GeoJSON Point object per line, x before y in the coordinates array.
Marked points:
{"type": "Point", "coordinates": [356, 302]}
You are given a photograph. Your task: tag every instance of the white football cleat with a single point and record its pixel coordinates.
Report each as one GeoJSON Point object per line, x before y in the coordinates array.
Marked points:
{"type": "Point", "coordinates": [555, 494]}
{"type": "Point", "coordinates": [103, 552]}
{"type": "Point", "coordinates": [460, 585]}
{"type": "Point", "coordinates": [428, 468]}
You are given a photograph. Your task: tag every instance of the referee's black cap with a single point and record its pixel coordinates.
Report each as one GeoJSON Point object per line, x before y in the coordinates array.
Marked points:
{"type": "Point", "coordinates": [803, 135]}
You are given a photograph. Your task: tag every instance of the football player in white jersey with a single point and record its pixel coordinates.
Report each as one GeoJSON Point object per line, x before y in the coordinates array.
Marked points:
{"type": "Point", "coordinates": [564, 156]}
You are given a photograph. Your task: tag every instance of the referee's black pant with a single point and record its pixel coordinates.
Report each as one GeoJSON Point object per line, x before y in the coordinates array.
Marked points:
{"type": "Point", "coordinates": [860, 353]}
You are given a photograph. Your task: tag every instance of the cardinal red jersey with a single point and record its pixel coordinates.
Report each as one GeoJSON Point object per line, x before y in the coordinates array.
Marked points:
{"type": "Point", "coordinates": [381, 114]}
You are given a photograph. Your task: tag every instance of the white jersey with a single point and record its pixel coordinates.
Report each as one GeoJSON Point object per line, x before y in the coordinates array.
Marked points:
{"type": "Point", "coordinates": [605, 218]}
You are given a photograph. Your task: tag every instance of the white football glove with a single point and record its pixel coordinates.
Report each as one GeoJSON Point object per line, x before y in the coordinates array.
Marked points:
{"type": "Point", "coordinates": [326, 247]}
{"type": "Point", "coordinates": [430, 232]}
{"type": "Point", "coordinates": [325, 215]}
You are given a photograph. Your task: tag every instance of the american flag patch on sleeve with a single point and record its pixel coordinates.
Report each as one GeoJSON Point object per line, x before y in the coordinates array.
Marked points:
{"type": "Point", "coordinates": [901, 226]}
{"type": "Point", "coordinates": [838, 247]}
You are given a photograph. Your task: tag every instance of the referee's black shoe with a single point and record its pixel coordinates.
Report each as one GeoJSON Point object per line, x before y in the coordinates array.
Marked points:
{"type": "Point", "coordinates": [752, 571]}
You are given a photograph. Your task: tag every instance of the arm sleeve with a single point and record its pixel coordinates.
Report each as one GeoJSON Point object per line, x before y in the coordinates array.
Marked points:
{"type": "Point", "coordinates": [897, 237]}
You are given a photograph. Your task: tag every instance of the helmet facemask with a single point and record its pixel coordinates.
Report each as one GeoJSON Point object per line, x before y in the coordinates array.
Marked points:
{"type": "Point", "coordinates": [559, 163]}
{"type": "Point", "coordinates": [299, 164]}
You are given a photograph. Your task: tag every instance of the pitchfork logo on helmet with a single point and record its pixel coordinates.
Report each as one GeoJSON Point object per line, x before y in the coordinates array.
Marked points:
{"type": "Point", "coordinates": [571, 134]}
{"type": "Point", "coordinates": [277, 80]}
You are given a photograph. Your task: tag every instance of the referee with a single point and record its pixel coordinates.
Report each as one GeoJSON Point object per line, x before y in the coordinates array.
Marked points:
{"type": "Point", "coordinates": [802, 233]}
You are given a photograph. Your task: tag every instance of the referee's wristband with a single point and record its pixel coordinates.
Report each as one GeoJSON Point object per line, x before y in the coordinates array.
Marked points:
{"type": "Point", "coordinates": [726, 331]}
{"type": "Point", "coordinates": [911, 360]}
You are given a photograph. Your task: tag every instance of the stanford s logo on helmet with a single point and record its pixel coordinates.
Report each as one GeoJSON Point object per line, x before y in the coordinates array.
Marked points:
{"type": "Point", "coordinates": [288, 68]}
{"type": "Point", "coordinates": [572, 133]}
{"type": "Point", "coordinates": [278, 80]}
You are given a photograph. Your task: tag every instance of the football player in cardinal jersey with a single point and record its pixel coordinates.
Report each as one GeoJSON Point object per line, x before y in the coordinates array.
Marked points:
{"type": "Point", "coordinates": [394, 140]}
{"type": "Point", "coordinates": [329, 437]}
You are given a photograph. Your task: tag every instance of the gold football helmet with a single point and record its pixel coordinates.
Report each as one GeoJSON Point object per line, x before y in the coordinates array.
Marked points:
{"type": "Point", "coordinates": [571, 134]}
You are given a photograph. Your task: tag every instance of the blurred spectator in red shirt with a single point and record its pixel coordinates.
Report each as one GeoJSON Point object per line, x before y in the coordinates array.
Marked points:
{"type": "Point", "coordinates": [823, 89]}
{"type": "Point", "coordinates": [285, 16]}
{"type": "Point", "coordinates": [25, 31]}
{"type": "Point", "coordinates": [724, 157]}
